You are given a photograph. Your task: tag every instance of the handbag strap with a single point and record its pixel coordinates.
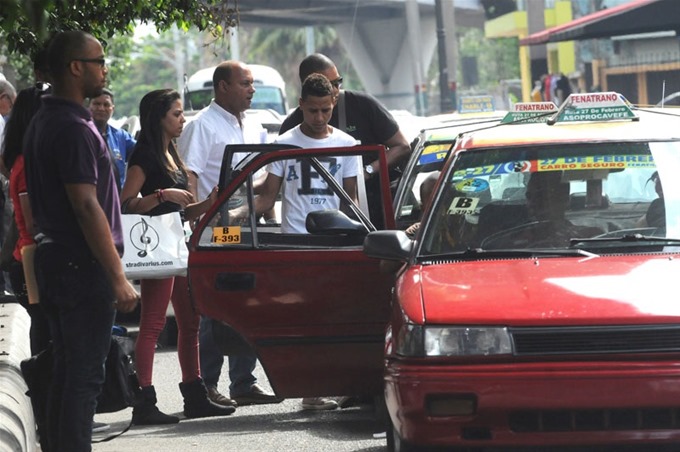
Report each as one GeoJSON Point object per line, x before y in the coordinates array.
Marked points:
{"type": "Point", "coordinates": [342, 115]}
{"type": "Point", "coordinates": [114, 435]}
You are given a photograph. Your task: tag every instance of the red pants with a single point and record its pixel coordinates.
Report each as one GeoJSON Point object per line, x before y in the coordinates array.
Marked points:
{"type": "Point", "coordinates": [156, 294]}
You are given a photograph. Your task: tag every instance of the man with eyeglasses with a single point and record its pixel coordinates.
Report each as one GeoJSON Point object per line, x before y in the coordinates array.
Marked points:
{"type": "Point", "coordinates": [118, 141]}
{"type": "Point", "coordinates": [366, 120]}
{"type": "Point", "coordinates": [76, 210]}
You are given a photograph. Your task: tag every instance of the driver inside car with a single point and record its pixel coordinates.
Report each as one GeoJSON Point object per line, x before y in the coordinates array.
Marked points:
{"type": "Point", "coordinates": [547, 198]}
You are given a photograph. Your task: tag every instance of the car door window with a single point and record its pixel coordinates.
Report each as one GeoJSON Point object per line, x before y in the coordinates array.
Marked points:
{"type": "Point", "coordinates": [234, 226]}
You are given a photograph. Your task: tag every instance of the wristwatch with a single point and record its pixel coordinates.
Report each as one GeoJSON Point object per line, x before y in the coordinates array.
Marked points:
{"type": "Point", "coordinates": [369, 170]}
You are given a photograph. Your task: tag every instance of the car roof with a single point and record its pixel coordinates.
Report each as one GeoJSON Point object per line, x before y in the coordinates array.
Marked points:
{"type": "Point", "coordinates": [650, 124]}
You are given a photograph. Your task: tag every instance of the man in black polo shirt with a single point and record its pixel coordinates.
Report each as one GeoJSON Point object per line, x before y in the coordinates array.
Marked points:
{"type": "Point", "coordinates": [366, 120]}
{"type": "Point", "coordinates": [77, 212]}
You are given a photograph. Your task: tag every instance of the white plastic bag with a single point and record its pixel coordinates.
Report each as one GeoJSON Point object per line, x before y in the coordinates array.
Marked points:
{"type": "Point", "coordinates": [155, 247]}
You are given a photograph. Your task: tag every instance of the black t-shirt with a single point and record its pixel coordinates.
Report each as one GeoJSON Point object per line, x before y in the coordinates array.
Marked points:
{"type": "Point", "coordinates": [366, 119]}
{"type": "Point", "coordinates": [157, 177]}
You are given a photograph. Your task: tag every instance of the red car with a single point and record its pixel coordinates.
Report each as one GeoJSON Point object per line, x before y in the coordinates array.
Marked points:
{"type": "Point", "coordinates": [537, 304]}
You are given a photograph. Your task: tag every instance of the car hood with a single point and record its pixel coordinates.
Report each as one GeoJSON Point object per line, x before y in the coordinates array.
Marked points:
{"type": "Point", "coordinates": [601, 290]}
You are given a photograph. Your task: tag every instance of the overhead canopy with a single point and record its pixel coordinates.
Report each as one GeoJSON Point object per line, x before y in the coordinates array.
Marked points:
{"type": "Point", "coordinates": [330, 12]}
{"type": "Point", "coordinates": [634, 17]}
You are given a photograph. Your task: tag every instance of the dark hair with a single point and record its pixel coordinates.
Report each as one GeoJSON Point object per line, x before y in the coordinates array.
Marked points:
{"type": "Point", "coordinates": [63, 49]}
{"type": "Point", "coordinates": [316, 85]}
{"type": "Point", "coordinates": [108, 92]}
{"type": "Point", "coordinates": [316, 62]}
{"type": "Point", "coordinates": [26, 105]}
{"type": "Point", "coordinates": [152, 109]}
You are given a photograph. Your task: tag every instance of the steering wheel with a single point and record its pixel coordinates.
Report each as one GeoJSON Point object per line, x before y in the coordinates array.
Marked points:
{"type": "Point", "coordinates": [507, 235]}
{"type": "Point", "coordinates": [642, 231]}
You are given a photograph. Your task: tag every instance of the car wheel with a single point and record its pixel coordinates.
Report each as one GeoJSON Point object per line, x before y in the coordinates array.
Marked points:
{"type": "Point", "coordinates": [396, 444]}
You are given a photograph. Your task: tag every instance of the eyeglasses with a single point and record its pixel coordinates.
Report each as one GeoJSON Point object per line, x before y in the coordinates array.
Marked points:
{"type": "Point", "coordinates": [100, 61]}
{"type": "Point", "coordinates": [337, 83]}
{"type": "Point", "coordinates": [42, 86]}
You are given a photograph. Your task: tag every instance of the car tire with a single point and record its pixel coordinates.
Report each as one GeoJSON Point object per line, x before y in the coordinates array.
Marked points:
{"type": "Point", "coordinates": [396, 444]}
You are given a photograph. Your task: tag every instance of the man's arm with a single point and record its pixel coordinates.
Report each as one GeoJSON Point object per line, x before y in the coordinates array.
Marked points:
{"type": "Point", "coordinates": [398, 151]}
{"type": "Point", "coordinates": [268, 190]}
{"type": "Point", "coordinates": [95, 227]}
{"type": "Point", "coordinates": [349, 184]}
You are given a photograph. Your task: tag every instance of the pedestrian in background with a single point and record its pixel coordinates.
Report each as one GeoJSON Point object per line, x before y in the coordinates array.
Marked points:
{"type": "Point", "coordinates": [77, 213]}
{"type": "Point", "coordinates": [157, 172]}
{"type": "Point", "coordinates": [26, 106]}
{"type": "Point", "coordinates": [202, 146]}
{"type": "Point", "coordinates": [118, 141]}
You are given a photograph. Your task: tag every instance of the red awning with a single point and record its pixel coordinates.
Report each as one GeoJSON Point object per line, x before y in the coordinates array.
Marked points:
{"type": "Point", "coordinates": [636, 16]}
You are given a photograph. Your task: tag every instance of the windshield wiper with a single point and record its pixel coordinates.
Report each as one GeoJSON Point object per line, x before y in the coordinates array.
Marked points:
{"type": "Point", "coordinates": [625, 238]}
{"type": "Point", "coordinates": [480, 253]}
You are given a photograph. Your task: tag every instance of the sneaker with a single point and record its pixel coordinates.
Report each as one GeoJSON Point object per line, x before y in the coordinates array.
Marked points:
{"type": "Point", "coordinates": [98, 427]}
{"type": "Point", "coordinates": [318, 403]}
{"type": "Point", "coordinates": [220, 399]}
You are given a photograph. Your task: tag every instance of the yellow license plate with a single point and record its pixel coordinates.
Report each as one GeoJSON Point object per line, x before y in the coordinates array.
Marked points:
{"type": "Point", "coordinates": [227, 236]}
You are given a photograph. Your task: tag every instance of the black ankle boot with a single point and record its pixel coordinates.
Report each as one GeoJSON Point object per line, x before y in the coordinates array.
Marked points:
{"type": "Point", "coordinates": [197, 404]}
{"type": "Point", "coordinates": [146, 412]}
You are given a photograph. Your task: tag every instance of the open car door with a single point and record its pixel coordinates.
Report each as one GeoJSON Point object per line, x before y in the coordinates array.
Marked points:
{"type": "Point", "coordinates": [313, 306]}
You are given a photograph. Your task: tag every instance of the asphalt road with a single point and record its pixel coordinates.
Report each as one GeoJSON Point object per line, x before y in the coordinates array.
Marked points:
{"type": "Point", "coordinates": [263, 428]}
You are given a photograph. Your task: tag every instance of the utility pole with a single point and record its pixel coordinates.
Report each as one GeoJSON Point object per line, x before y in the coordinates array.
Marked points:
{"type": "Point", "coordinates": [447, 53]}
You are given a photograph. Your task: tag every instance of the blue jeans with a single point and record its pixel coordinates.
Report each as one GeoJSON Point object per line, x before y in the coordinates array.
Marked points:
{"type": "Point", "coordinates": [78, 301]}
{"type": "Point", "coordinates": [241, 366]}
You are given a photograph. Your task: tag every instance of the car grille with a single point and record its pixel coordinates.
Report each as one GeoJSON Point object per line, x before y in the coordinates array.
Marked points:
{"type": "Point", "coordinates": [594, 420]}
{"type": "Point", "coordinates": [600, 339]}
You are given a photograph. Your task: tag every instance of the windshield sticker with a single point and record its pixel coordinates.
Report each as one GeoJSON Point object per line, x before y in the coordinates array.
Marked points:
{"type": "Point", "coordinates": [561, 163]}
{"type": "Point", "coordinates": [463, 206]}
{"type": "Point", "coordinates": [472, 186]}
{"type": "Point", "coordinates": [596, 162]}
{"type": "Point", "coordinates": [226, 236]}
{"type": "Point", "coordinates": [434, 153]}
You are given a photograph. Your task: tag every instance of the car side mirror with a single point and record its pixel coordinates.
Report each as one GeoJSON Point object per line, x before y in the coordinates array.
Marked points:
{"type": "Point", "coordinates": [333, 222]}
{"type": "Point", "coordinates": [389, 245]}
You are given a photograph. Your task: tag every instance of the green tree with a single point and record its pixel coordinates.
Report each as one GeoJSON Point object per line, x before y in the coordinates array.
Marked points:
{"type": "Point", "coordinates": [26, 24]}
{"type": "Point", "coordinates": [496, 58]}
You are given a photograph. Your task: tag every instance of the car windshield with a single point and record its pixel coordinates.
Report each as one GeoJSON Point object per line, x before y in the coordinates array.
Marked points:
{"type": "Point", "coordinates": [599, 197]}
{"type": "Point", "coordinates": [266, 97]}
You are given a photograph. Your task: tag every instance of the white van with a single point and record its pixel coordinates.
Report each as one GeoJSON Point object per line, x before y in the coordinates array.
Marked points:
{"type": "Point", "coordinates": [269, 85]}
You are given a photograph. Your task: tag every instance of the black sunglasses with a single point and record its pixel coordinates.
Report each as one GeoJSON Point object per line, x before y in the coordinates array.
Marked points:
{"type": "Point", "coordinates": [337, 83]}
{"type": "Point", "coordinates": [100, 61]}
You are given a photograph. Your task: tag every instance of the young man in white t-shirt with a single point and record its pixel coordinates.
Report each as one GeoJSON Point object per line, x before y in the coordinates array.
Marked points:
{"type": "Point", "coordinates": [303, 190]}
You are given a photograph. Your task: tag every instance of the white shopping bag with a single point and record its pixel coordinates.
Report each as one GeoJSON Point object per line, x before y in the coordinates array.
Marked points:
{"type": "Point", "coordinates": [155, 247]}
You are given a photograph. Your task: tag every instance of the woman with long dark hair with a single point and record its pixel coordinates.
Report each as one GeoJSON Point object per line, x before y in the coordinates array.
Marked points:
{"type": "Point", "coordinates": [156, 171]}
{"type": "Point", "coordinates": [22, 276]}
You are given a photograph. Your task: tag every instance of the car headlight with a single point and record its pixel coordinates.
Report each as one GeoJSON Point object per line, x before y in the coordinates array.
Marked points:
{"type": "Point", "coordinates": [466, 341]}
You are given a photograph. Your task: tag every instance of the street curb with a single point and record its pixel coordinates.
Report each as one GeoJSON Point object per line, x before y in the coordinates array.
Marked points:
{"type": "Point", "coordinates": [17, 425]}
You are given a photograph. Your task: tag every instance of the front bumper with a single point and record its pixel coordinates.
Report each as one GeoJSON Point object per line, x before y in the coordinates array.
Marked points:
{"type": "Point", "coordinates": [529, 404]}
